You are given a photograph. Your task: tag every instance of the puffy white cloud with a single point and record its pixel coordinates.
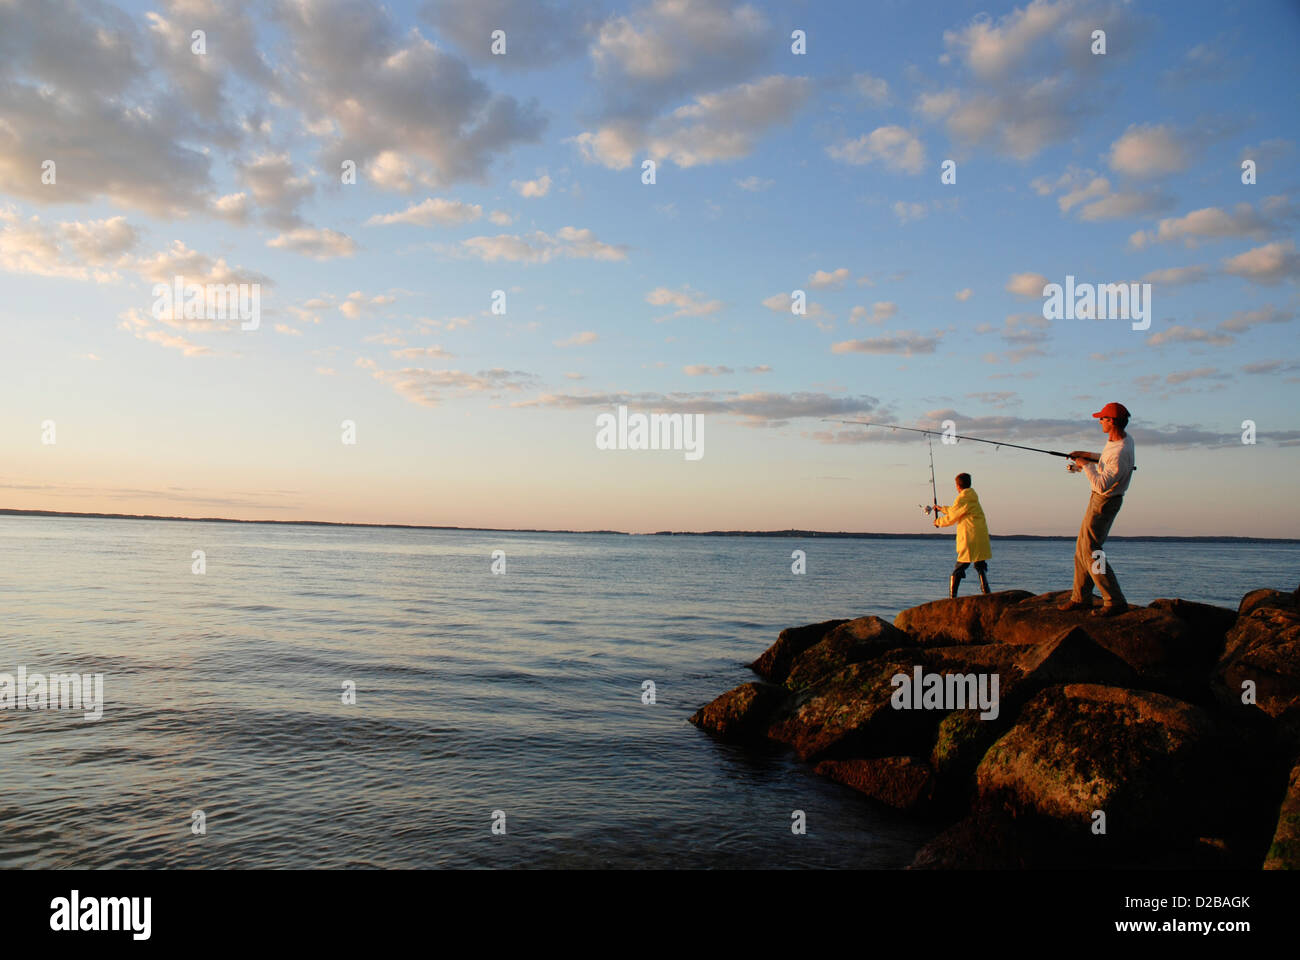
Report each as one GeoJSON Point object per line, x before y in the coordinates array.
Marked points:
{"type": "Point", "coordinates": [961, 296]}
{"type": "Point", "coordinates": [688, 302]}
{"type": "Point", "coordinates": [318, 243]}
{"type": "Point", "coordinates": [532, 188]}
{"type": "Point", "coordinates": [540, 247]}
{"type": "Point", "coordinates": [1148, 150]}
{"type": "Point", "coordinates": [701, 370]}
{"type": "Point", "coordinates": [1269, 264]}
{"type": "Point", "coordinates": [1213, 223]}
{"type": "Point", "coordinates": [432, 210]}
{"type": "Point", "coordinates": [428, 388]}
{"type": "Point", "coordinates": [1026, 284]}
{"type": "Point", "coordinates": [893, 147]}
{"type": "Point", "coordinates": [1179, 333]}
{"type": "Point", "coordinates": [719, 126]}
{"type": "Point", "coordinates": [823, 279]}
{"type": "Point", "coordinates": [906, 343]}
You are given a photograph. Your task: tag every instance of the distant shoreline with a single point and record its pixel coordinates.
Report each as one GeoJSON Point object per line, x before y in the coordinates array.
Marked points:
{"type": "Point", "coordinates": [788, 534]}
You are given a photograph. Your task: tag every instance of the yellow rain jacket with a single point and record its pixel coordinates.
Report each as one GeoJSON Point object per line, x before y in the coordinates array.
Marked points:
{"type": "Point", "coordinates": [972, 529]}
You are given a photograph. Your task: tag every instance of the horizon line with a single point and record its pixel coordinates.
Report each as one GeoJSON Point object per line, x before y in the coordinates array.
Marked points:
{"type": "Point", "coordinates": [788, 533]}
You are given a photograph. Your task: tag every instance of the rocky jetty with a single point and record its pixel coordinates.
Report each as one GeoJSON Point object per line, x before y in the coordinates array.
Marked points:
{"type": "Point", "coordinates": [1037, 738]}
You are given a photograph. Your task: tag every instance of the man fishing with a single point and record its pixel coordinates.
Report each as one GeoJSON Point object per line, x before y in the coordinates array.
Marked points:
{"type": "Point", "coordinates": [1109, 477]}
{"type": "Point", "coordinates": [972, 534]}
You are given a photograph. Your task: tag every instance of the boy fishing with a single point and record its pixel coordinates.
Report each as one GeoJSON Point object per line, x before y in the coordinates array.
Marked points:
{"type": "Point", "coordinates": [972, 534]}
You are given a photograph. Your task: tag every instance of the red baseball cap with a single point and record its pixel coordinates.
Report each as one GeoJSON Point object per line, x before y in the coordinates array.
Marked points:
{"type": "Point", "coordinates": [1112, 410]}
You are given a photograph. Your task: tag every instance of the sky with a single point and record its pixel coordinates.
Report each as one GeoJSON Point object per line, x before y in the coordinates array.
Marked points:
{"type": "Point", "coordinates": [464, 257]}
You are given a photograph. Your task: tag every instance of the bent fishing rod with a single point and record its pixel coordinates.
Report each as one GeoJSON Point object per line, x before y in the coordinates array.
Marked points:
{"type": "Point", "coordinates": [997, 443]}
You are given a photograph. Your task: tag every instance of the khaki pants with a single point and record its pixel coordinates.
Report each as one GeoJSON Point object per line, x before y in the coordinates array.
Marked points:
{"type": "Point", "coordinates": [1092, 534]}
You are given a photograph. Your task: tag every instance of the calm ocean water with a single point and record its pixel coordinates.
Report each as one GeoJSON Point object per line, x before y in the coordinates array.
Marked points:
{"type": "Point", "coordinates": [475, 693]}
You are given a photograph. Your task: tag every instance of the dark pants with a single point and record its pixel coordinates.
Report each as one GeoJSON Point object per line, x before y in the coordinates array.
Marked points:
{"type": "Point", "coordinates": [959, 571]}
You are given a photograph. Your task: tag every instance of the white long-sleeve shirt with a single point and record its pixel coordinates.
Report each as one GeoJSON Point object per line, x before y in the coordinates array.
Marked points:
{"type": "Point", "coordinates": [1111, 475]}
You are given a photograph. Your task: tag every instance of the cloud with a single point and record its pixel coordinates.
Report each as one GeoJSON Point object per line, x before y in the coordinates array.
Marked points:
{"type": "Point", "coordinates": [872, 89]}
{"type": "Point", "coordinates": [1022, 328]}
{"type": "Point", "coordinates": [540, 247]}
{"type": "Point", "coordinates": [579, 339]}
{"type": "Point", "coordinates": [823, 280]}
{"type": "Point", "coordinates": [1273, 215]}
{"type": "Point", "coordinates": [1147, 151]}
{"type": "Point", "coordinates": [1201, 373]}
{"type": "Point", "coordinates": [881, 311]}
{"type": "Point", "coordinates": [906, 212]}
{"type": "Point", "coordinates": [893, 147]}
{"type": "Point", "coordinates": [447, 213]}
{"type": "Point", "coordinates": [531, 189]}
{"type": "Point", "coordinates": [761, 368]}
{"type": "Point", "coordinates": [500, 218]}
{"type": "Point", "coordinates": [755, 409]}
{"type": "Point", "coordinates": [700, 370]}
{"type": "Point", "coordinates": [1175, 276]}
{"type": "Point", "coordinates": [422, 353]}
{"type": "Point", "coordinates": [1268, 155]}
{"type": "Point", "coordinates": [716, 127]}
{"type": "Point", "coordinates": [1093, 199]}
{"type": "Point", "coordinates": [1183, 334]}
{"type": "Point", "coordinates": [689, 303]}
{"type": "Point", "coordinates": [1242, 320]}
{"type": "Point", "coordinates": [70, 248]}
{"type": "Point", "coordinates": [400, 107]}
{"type": "Point", "coordinates": [274, 186]}
{"type": "Point", "coordinates": [317, 243]}
{"type": "Point", "coordinates": [427, 388]}
{"type": "Point", "coordinates": [1269, 264]}
{"type": "Point", "coordinates": [1027, 285]}
{"type": "Point", "coordinates": [1032, 78]}
{"type": "Point", "coordinates": [1027, 430]}
{"type": "Point", "coordinates": [538, 33]}
{"type": "Point", "coordinates": [906, 343]}
{"type": "Point", "coordinates": [961, 296]}
{"type": "Point", "coordinates": [1272, 366]}
{"type": "Point", "coordinates": [754, 184]}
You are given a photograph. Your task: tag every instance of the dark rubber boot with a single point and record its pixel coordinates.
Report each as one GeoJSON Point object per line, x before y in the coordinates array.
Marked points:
{"type": "Point", "coordinates": [984, 582]}
{"type": "Point", "coordinates": [953, 582]}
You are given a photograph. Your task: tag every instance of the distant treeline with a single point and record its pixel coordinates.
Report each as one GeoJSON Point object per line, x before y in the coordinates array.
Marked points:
{"type": "Point", "coordinates": [800, 534]}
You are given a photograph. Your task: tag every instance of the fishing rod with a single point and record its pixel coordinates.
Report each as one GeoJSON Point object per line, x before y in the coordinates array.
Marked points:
{"type": "Point", "coordinates": [934, 491]}
{"type": "Point", "coordinates": [997, 443]}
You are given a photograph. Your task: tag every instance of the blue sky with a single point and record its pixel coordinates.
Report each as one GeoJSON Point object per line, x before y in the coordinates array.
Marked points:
{"type": "Point", "coordinates": [523, 173]}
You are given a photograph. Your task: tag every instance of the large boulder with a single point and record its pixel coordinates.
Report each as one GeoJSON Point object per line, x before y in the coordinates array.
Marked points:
{"type": "Point", "coordinates": [853, 642]}
{"type": "Point", "coordinates": [850, 714]}
{"type": "Point", "coordinates": [1167, 654]}
{"type": "Point", "coordinates": [1158, 768]}
{"type": "Point", "coordinates": [741, 714]}
{"type": "Point", "coordinates": [1263, 647]}
{"type": "Point", "coordinates": [943, 623]}
{"type": "Point", "coordinates": [1284, 852]}
{"type": "Point", "coordinates": [905, 783]}
{"type": "Point", "coordinates": [1210, 624]}
{"type": "Point", "coordinates": [1072, 657]}
{"type": "Point", "coordinates": [1267, 597]}
{"type": "Point", "coordinates": [776, 660]}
